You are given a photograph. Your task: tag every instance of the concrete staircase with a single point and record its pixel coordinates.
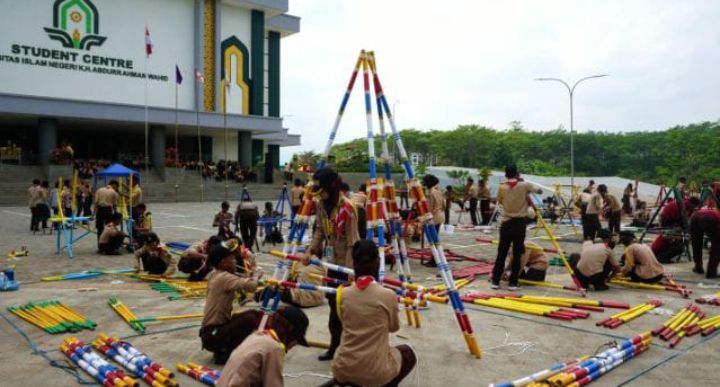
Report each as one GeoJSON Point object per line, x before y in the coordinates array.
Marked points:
{"type": "Point", "coordinates": [157, 186]}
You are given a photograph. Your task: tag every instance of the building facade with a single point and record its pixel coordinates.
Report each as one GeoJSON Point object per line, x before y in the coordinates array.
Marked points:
{"type": "Point", "coordinates": [78, 72]}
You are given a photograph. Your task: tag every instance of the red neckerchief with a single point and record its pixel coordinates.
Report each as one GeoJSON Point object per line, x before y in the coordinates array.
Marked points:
{"type": "Point", "coordinates": [363, 282]}
{"type": "Point", "coordinates": [512, 182]}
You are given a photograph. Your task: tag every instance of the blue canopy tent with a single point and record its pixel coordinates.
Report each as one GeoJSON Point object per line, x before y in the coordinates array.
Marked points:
{"type": "Point", "coordinates": [116, 170]}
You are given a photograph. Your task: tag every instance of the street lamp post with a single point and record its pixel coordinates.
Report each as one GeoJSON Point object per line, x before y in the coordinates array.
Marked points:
{"type": "Point", "coordinates": [571, 92]}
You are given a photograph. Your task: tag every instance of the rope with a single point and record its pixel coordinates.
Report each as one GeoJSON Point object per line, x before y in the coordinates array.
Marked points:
{"type": "Point", "coordinates": [64, 364]}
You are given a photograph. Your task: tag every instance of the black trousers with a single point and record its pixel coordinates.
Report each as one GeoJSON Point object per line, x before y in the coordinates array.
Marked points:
{"type": "Point", "coordinates": [111, 246]}
{"type": "Point", "coordinates": [34, 218]}
{"type": "Point", "coordinates": [533, 275]}
{"type": "Point", "coordinates": [596, 280]}
{"type": "Point", "coordinates": [448, 205]}
{"type": "Point", "coordinates": [702, 224]}
{"type": "Point", "coordinates": [592, 226]}
{"type": "Point", "coordinates": [512, 232]}
{"type": "Point", "coordinates": [334, 323]}
{"type": "Point", "coordinates": [485, 213]}
{"type": "Point", "coordinates": [101, 217]}
{"type": "Point", "coordinates": [153, 264]}
{"type": "Point", "coordinates": [226, 337]}
{"type": "Point", "coordinates": [473, 211]}
{"type": "Point", "coordinates": [362, 222]}
{"type": "Point", "coordinates": [247, 224]}
{"type": "Point", "coordinates": [614, 221]}
{"type": "Point", "coordinates": [635, 278]}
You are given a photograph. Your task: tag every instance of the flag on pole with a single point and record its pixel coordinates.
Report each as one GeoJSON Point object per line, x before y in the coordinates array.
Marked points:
{"type": "Point", "coordinates": [199, 77]}
{"type": "Point", "coordinates": [178, 76]}
{"type": "Point", "coordinates": [148, 43]}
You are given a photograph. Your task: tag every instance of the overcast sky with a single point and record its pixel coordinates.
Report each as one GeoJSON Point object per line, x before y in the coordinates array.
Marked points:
{"type": "Point", "coordinates": [474, 62]}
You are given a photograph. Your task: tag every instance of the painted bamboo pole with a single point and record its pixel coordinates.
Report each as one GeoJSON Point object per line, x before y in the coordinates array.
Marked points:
{"type": "Point", "coordinates": [200, 376]}
{"type": "Point", "coordinates": [554, 242]}
{"type": "Point", "coordinates": [618, 319]}
{"type": "Point", "coordinates": [683, 291]}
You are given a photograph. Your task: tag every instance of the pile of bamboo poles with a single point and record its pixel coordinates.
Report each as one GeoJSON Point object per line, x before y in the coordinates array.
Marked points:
{"type": "Point", "coordinates": [515, 304]}
{"type": "Point", "coordinates": [670, 287]}
{"type": "Point", "coordinates": [673, 329]}
{"type": "Point", "coordinates": [135, 361]}
{"type": "Point", "coordinates": [200, 373]}
{"type": "Point", "coordinates": [705, 326]}
{"type": "Point", "coordinates": [53, 317]}
{"type": "Point", "coordinates": [126, 314]}
{"type": "Point", "coordinates": [100, 369]}
{"type": "Point", "coordinates": [621, 318]}
{"type": "Point", "coordinates": [181, 289]}
{"type": "Point", "coordinates": [713, 299]}
{"type": "Point", "coordinates": [586, 369]}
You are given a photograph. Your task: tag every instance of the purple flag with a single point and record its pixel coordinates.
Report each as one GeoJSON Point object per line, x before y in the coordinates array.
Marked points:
{"type": "Point", "coordinates": [178, 76]}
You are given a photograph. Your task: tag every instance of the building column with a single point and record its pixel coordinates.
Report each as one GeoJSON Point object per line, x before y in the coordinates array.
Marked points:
{"type": "Point", "coordinates": [47, 139]}
{"type": "Point", "coordinates": [257, 62]}
{"type": "Point", "coordinates": [157, 146]}
{"type": "Point", "coordinates": [274, 153]}
{"type": "Point", "coordinates": [245, 149]}
{"type": "Point", "coordinates": [274, 74]}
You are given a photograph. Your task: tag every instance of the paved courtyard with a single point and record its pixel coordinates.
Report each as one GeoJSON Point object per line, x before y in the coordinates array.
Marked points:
{"type": "Point", "coordinates": [512, 344]}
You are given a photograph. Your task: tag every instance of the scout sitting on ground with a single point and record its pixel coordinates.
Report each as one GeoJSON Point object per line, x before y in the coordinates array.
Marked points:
{"type": "Point", "coordinates": [369, 312]}
{"type": "Point", "coordinates": [154, 258]}
{"type": "Point", "coordinates": [111, 238]}
{"type": "Point", "coordinates": [193, 260]}
{"type": "Point", "coordinates": [221, 332]}
{"type": "Point", "coordinates": [596, 263]}
{"type": "Point", "coordinates": [533, 264]}
{"type": "Point", "coordinates": [258, 361]}
{"type": "Point", "coordinates": [640, 262]}
{"type": "Point", "coordinates": [142, 225]}
{"type": "Point", "coordinates": [222, 221]}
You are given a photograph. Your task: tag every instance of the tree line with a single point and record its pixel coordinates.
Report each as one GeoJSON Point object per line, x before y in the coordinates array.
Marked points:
{"type": "Point", "coordinates": [660, 156]}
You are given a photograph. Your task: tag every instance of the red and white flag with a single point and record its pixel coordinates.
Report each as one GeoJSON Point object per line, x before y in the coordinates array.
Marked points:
{"type": "Point", "coordinates": [199, 77]}
{"type": "Point", "coordinates": [148, 43]}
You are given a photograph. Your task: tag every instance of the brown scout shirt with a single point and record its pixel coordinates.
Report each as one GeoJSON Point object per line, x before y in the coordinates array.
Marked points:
{"type": "Point", "coordinates": [532, 258]}
{"type": "Point", "coordinates": [221, 293]}
{"type": "Point", "coordinates": [108, 233]}
{"type": "Point", "coordinates": [437, 203]}
{"type": "Point", "coordinates": [514, 200]}
{"type": "Point", "coordinates": [484, 192]}
{"type": "Point", "coordinates": [325, 229]}
{"type": "Point", "coordinates": [365, 356]}
{"type": "Point", "coordinates": [593, 257]}
{"type": "Point", "coordinates": [642, 258]}
{"type": "Point", "coordinates": [37, 195]}
{"type": "Point", "coordinates": [595, 204]}
{"type": "Point", "coordinates": [296, 196]}
{"type": "Point", "coordinates": [612, 202]}
{"type": "Point", "coordinates": [165, 256]}
{"type": "Point", "coordinates": [257, 362]}
{"type": "Point", "coordinates": [106, 197]}
{"type": "Point", "coordinates": [308, 298]}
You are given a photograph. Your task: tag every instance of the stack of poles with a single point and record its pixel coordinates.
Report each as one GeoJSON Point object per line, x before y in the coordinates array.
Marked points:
{"type": "Point", "coordinates": [53, 317]}
{"type": "Point", "coordinates": [516, 305]}
{"type": "Point", "coordinates": [418, 195]}
{"type": "Point", "coordinates": [673, 330]}
{"type": "Point", "coordinates": [200, 373]}
{"type": "Point", "coordinates": [105, 373]}
{"type": "Point", "coordinates": [271, 297]}
{"type": "Point", "coordinates": [710, 299]}
{"type": "Point", "coordinates": [169, 318]}
{"type": "Point", "coordinates": [577, 303]}
{"type": "Point", "coordinates": [586, 369]}
{"type": "Point", "coordinates": [621, 318]}
{"type": "Point", "coordinates": [135, 361]}
{"type": "Point", "coordinates": [625, 282]}
{"type": "Point", "coordinates": [706, 326]}
{"type": "Point", "coordinates": [126, 314]}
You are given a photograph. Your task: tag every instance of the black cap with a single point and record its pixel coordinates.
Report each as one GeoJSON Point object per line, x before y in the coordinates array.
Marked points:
{"type": "Point", "coordinates": [299, 322]}
{"type": "Point", "coordinates": [217, 253]}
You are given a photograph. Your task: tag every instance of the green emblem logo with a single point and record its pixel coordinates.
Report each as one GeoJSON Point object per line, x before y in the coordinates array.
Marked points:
{"type": "Point", "coordinates": [76, 24]}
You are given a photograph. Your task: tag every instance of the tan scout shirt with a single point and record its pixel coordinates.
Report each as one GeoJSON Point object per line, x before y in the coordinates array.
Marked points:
{"type": "Point", "coordinates": [221, 292]}
{"type": "Point", "coordinates": [593, 257]}
{"type": "Point", "coordinates": [532, 258]}
{"type": "Point", "coordinates": [37, 195]}
{"type": "Point", "coordinates": [136, 195]}
{"type": "Point", "coordinates": [595, 204]}
{"type": "Point", "coordinates": [162, 253]}
{"type": "Point", "coordinates": [437, 203]}
{"type": "Point", "coordinates": [106, 197]}
{"type": "Point", "coordinates": [359, 199]}
{"type": "Point", "coordinates": [365, 356]}
{"type": "Point", "coordinates": [308, 298]}
{"type": "Point", "coordinates": [108, 233]}
{"type": "Point", "coordinates": [642, 258]}
{"type": "Point", "coordinates": [472, 192]}
{"type": "Point", "coordinates": [484, 193]}
{"type": "Point", "coordinates": [257, 362]}
{"type": "Point", "coordinates": [514, 200]}
{"type": "Point", "coordinates": [613, 203]}
{"type": "Point", "coordinates": [296, 196]}
{"type": "Point", "coordinates": [326, 230]}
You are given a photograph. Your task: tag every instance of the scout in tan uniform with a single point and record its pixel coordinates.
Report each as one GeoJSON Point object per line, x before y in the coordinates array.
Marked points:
{"type": "Point", "coordinates": [369, 313]}
{"type": "Point", "coordinates": [111, 237]}
{"type": "Point", "coordinates": [513, 196]}
{"type": "Point", "coordinates": [596, 262]}
{"type": "Point", "coordinates": [193, 260]}
{"type": "Point", "coordinates": [222, 221]}
{"type": "Point", "coordinates": [336, 230]}
{"type": "Point", "coordinates": [221, 332]}
{"type": "Point", "coordinates": [592, 215]}
{"type": "Point", "coordinates": [106, 199]}
{"type": "Point", "coordinates": [484, 197]}
{"type": "Point", "coordinates": [641, 265]}
{"type": "Point", "coordinates": [296, 193]}
{"type": "Point", "coordinates": [437, 203]}
{"type": "Point", "coordinates": [533, 264]}
{"type": "Point", "coordinates": [154, 258]}
{"type": "Point", "coordinates": [471, 195]}
{"type": "Point", "coordinates": [258, 361]}
{"type": "Point", "coordinates": [614, 207]}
